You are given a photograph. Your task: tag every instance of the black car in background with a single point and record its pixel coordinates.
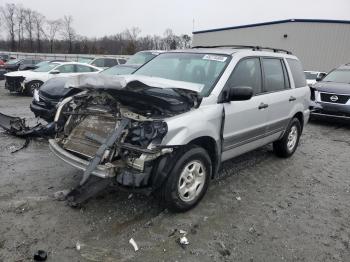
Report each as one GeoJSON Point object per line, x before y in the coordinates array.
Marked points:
{"type": "Point", "coordinates": [18, 64]}
{"type": "Point", "coordinates": [53, 91]}
{"type": "Point", "coordinates": [330, 97]}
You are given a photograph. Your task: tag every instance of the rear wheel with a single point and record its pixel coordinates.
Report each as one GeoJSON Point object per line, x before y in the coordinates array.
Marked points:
{"type": "Point", "coordinates": [286, 146]}
{"type": "Point", "coordinates": [188, 181]}
{"type": "Point", "coordinates": [31, 86]}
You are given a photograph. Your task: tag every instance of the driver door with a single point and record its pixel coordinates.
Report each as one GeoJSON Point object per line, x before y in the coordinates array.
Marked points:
{"type": "Point", "coordinates": [245, 121]}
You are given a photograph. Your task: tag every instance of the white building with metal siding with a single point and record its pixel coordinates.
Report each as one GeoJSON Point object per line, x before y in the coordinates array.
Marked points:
{"type": "Point", "coordinates": [319, 44]}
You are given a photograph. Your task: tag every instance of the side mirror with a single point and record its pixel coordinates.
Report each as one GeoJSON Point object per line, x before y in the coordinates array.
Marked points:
{"type": "Point", "coordinates": [54, 72]}
{"type": "Point", "coordinates": [320, 76]}
{"type": "Point", "coordinates": [239, 93]}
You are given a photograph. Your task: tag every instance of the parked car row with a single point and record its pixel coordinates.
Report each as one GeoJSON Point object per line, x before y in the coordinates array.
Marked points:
{"type": "Point", "coordinates": [27, 82]}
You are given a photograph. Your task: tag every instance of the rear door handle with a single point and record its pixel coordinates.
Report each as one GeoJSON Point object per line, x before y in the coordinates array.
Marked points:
{"type": "Point", "coordinates": [263, 106]}
{"type": "Point", "coordinates": [292, 98]}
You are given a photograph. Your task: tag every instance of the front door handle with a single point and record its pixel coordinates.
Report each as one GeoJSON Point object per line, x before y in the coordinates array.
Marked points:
{"type": "Point", "coordinates": [263, 106]}
{"type": "Point", "coordinates": [292, 98]}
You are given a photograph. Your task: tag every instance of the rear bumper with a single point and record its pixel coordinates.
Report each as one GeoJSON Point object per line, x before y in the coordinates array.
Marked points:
{"type": "Point", "coordinates": [103, 171]}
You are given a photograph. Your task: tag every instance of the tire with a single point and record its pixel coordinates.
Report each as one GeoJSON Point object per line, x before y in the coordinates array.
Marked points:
{"type": "Point", "coordinates": [286, 146]}
{"type": "Point", "coordinates": [177, 200]}
{"type": "Point", "coordinates": [31, 86]}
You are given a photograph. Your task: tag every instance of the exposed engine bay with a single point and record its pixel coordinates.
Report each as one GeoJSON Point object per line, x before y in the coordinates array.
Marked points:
{"type": "Point", "coordinates": [92, 117]}
{"type": "Point", "coordinates": [120, 128]}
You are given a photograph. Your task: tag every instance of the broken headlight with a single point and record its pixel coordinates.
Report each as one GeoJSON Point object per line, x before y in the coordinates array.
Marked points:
{"type": "Point", "coordinates": [143, 133]}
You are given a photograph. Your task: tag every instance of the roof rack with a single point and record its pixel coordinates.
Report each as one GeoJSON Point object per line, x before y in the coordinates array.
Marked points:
{"type": "Point", "coordinates": [254, 48]}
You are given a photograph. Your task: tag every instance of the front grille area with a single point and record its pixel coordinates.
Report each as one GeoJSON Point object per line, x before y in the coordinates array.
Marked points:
{"type": "Point", "coordinates": [77, 142]}
{"type": "Point", "coordinates": [329, 98]}
{"type": "Point", "coordinates": [14, 83]}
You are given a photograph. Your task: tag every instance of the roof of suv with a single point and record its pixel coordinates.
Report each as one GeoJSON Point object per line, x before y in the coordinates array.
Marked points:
{"type": "Point", "coordinates": [345, 67]}
{"type": "Point", "coordinates": [232, 50]}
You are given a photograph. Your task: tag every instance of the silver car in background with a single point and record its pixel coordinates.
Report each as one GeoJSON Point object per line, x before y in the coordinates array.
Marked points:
{"type": "Point", "coordinates": [168, 127]}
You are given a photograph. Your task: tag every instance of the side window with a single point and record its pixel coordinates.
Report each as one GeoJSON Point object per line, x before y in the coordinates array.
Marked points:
{"type": "Point", "coordinates": [110, 62]}
{"type": "Point", "coordinates": [83, 69]}
{"type": "Point", "coordinates": [297, 72]}
{"type": "Point", "coordinates": [99, 62]}
{"type": "Point", "coordinates": [247, 73]}
{"type": "Point", "coordinates": [66, 69]}
{"type": "Point", "coordinates": [274, 75]}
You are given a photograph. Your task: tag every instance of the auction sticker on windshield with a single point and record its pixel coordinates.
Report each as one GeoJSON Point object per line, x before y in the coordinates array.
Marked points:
{"type": "Point", "coordinates": [215, 58]}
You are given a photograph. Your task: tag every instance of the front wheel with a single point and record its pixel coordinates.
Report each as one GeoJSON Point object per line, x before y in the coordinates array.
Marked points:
{"type": "Point", "coordinates": [31, 86]}
{"type": "Point", "coordinates": [286, 146]}
{"type": "Point", "coordinates": [188, 181]}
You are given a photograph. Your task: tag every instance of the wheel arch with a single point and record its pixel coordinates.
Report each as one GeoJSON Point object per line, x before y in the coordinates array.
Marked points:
{"type": "Point", "coordinates": [212, 148]}
{"type": "Point", "coordinates": [300, 117]}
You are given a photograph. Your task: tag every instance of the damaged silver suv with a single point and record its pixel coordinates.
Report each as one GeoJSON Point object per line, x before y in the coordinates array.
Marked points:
{"type": "Point", "coordinates": [167, 128]}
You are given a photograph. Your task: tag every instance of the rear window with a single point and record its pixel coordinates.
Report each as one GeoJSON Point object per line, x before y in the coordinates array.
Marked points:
{"type": "Point", "coordinates": [297, 72]}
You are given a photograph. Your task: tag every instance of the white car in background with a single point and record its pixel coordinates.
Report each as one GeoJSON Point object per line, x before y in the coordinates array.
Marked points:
{"type": "Point", "coordinates": [313, 76]}
{"type": "Point", "coordinates": [28, 81]}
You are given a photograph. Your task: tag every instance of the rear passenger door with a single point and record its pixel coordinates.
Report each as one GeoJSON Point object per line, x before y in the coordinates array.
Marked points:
{"type": "Point", "coordinates": [278, 92]}
{"type": "Point", "coordinates": [245, 121]}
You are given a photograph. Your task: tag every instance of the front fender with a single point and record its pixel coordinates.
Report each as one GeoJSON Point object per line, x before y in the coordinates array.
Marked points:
{"type": "Point", "coordinates": [200, 122]}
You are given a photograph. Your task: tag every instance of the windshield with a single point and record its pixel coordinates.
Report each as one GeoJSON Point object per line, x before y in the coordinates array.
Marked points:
{"type": "Point", "coordinates": [140, 58]}
{"type": "Point", "coordinates": [46, 67]}
{"type": "Point", "coordinates": [310, 75]}
{"type": "Point", "coordinates": [202, 69]}
{"type": "Point", "coordinates": [119, 70]}
{"type": "Point", "coordinates": [339, 76]}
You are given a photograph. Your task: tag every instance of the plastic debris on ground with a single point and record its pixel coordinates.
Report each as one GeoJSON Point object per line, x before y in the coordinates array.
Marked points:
{"type": "Point", "coordinates": [40, 255]}
{"type": "Point", "coordinates": [133, 243]}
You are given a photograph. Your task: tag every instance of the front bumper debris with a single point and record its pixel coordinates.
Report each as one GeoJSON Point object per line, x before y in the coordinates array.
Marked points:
{"type": "Point", "coordinates": [17, 126]}
{"type": "Point", "coordinates": [330, 110]}
{"type": "Point", "coordinates": [103, 171]}
{"type": "Point", "coordinates": [15, 84]}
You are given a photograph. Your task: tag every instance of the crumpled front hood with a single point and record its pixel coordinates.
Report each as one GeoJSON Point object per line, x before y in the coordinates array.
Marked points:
{"type": "Point", "coordinates": [332, 87]}
{"type": "Point", "coordinates": [100, 81]}
{"type": "Point", "coordinates": [143, 93]}
{"type": "Point", "coordinates": [55, 89]}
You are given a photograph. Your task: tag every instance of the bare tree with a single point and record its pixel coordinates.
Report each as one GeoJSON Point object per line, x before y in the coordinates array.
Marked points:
{"type": "Point", "coordinates": [186, 41]}
{"type": "Point", "coordinates": [131, 35]}
{"type": "Point", "coordinates": [171, 40]}
{"type": "Point", "coordinates": [39, 21]}
{"type": "Point", "coordinates": [29, 26]}
{"type": "Point", "coordinates": [68, 31]}
{"type": "Point", "coordinates": [20, 15]}
{"type": "Point", "coordinates": [8, 14]}
{"type": "Point", "coordinates": [53, 27]}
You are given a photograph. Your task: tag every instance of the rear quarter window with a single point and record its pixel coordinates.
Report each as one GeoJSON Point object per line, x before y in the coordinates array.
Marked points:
{"type": "Point", "coordinates": [297, 72]}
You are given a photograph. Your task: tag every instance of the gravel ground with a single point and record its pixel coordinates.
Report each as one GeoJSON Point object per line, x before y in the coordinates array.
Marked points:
{"type": "Point", "coordinates": [261, 208]}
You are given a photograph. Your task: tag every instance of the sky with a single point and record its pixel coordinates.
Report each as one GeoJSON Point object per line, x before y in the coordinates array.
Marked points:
{"type": "Point", "coordinates": [96, 18]}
